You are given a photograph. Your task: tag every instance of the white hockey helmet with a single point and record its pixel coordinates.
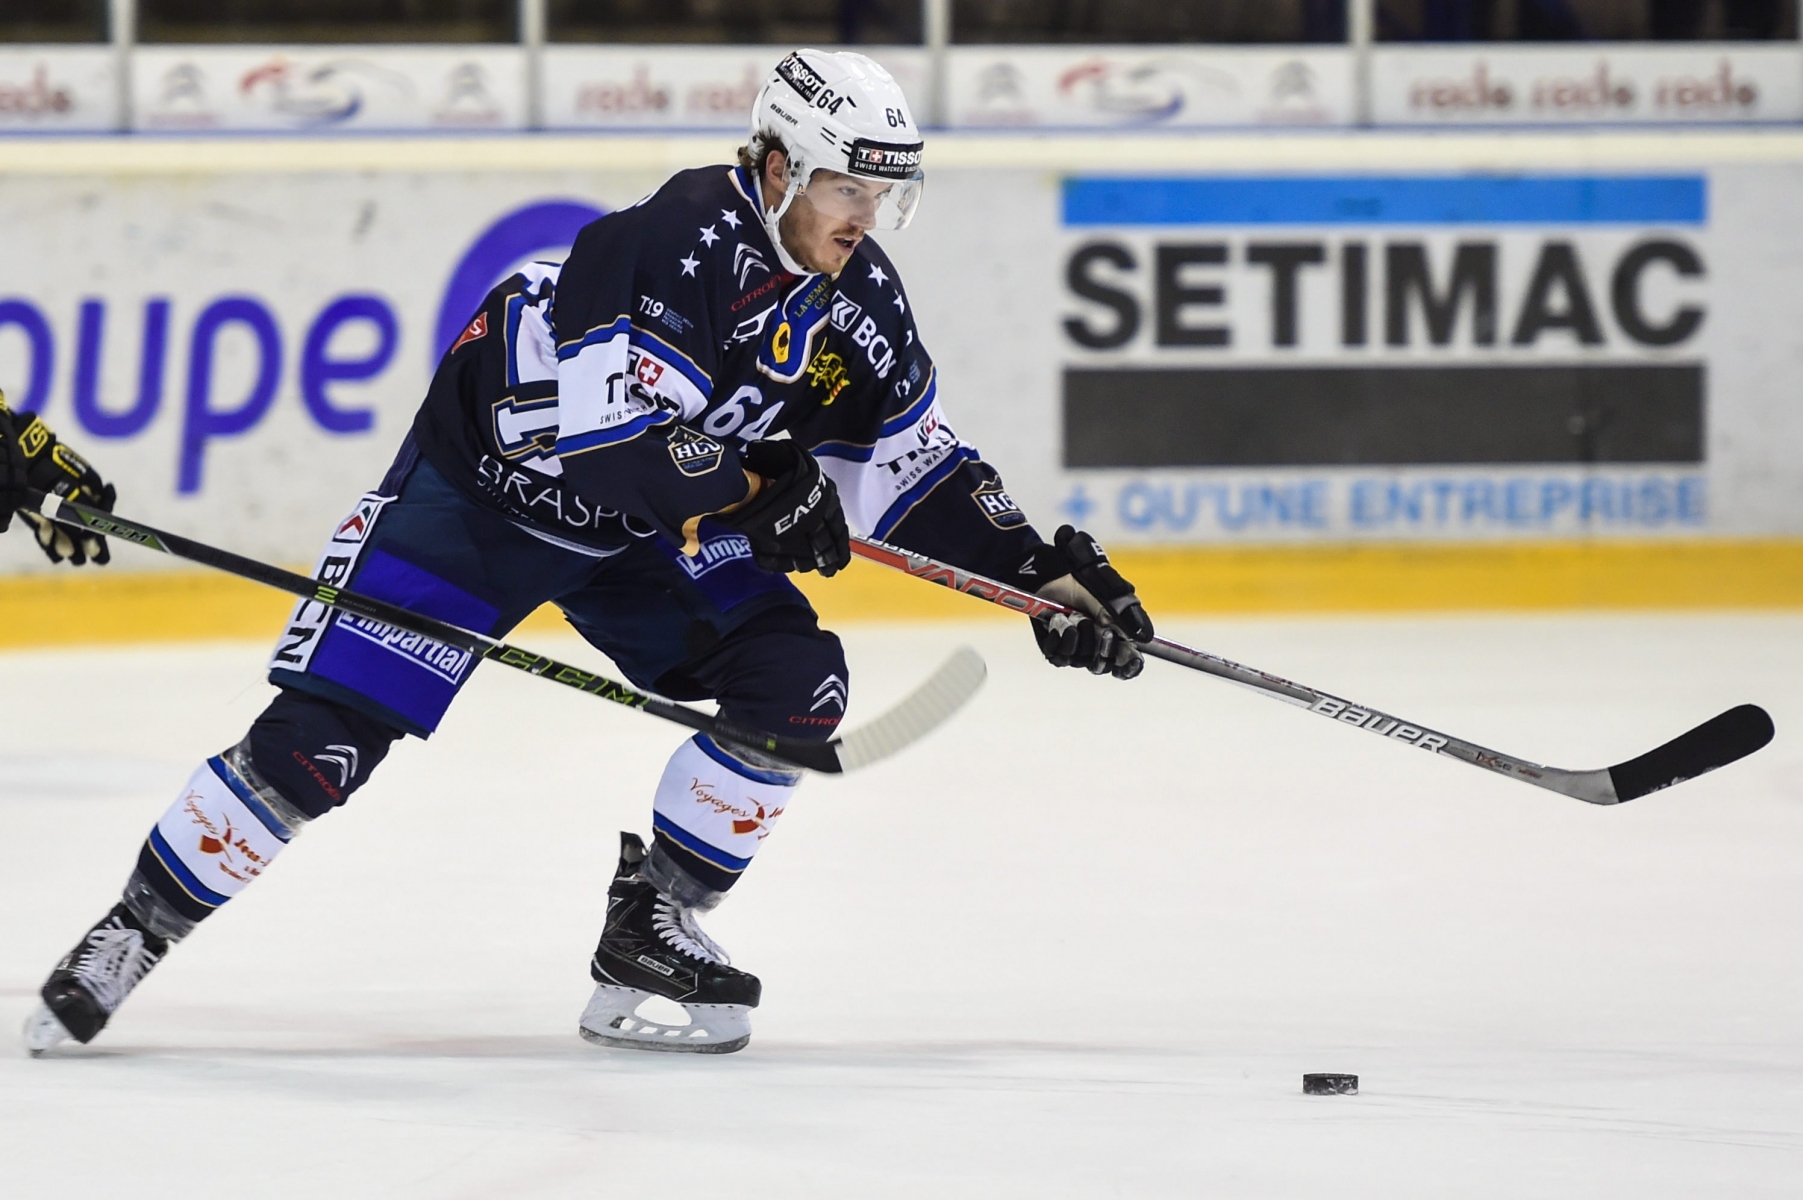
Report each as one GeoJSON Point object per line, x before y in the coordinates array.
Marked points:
{"type": "Point", "coordinates": [839, 111]}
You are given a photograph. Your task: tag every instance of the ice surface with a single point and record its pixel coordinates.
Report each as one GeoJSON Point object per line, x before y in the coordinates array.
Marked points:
{"type": "Point", "coordinates": [1084, 942]}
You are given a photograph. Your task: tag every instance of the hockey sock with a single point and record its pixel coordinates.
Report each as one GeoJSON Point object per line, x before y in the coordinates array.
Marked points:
{"type": "Point", "coordinates": [223, 831]}
{"type": "Point", "coordinates": [303, 757]}
{"type": "Point", "coordinates": [713, 809]}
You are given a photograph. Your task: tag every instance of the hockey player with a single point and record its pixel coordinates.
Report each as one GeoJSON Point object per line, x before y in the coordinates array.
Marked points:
{"type": "Point", "coordinates": [31, 457]}
{"type": "Point", "coordinates": [718, 381]}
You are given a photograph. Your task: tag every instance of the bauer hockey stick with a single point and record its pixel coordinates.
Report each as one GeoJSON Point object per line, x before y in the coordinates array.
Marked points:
{"type": "Point", "coordinates": [921, 711]}
{"type": "Point", "coordinates": [1715, 743]}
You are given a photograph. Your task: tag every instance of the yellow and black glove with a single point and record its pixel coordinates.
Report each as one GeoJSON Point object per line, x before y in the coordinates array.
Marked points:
{"type": "Point", "coordinates": [12, 468]}
{"type": "Point", "coordinates": [30, 456]}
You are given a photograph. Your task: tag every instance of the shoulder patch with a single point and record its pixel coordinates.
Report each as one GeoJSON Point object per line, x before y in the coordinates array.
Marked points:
{"type": "Point", "coordinates": [694, 453]}
{"type": "Point", "coordinates": [475, 329]}
{"type": "Point", "coordinates": [798, 324]}
{"type": "Point", "coordinates": [998, 505]}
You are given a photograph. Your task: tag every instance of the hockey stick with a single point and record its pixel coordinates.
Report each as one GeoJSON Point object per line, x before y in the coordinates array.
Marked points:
{"type": "Point", "coordinates": [922, 710]}
{"type": "Point", "coordinates": [1715, 743]}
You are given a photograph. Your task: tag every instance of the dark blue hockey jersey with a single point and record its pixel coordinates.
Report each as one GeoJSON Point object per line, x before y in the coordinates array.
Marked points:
{"type": "Point", "coordinates": [607, 398]}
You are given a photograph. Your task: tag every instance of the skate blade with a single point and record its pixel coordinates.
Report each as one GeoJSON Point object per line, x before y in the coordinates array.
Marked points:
{"type": "Point", "coordinates": [42, 1031]}
{"type": "Point", "coordinates": [611, 1019]}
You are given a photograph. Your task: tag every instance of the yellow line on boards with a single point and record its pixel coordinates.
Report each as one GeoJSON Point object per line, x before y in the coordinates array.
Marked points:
{"type": "Point", "coordinates": [72, 607]}
{"type": "Point", "coordinates": [1403, 577]}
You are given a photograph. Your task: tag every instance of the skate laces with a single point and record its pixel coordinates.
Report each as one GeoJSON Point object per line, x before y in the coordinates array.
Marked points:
{"type": "Point", "coordinates": [113, 961]}
{"type": "Point", "coordinates": [676, 925]}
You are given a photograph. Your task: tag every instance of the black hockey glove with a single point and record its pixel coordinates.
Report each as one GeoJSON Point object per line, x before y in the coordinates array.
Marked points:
{"type": "Point", "coordinates": [12, 469]}
{"type": "Point", "coordinates": [1086, 582]}
{"type": "Point", "coordinates": [794, 523]}
{"type": "Point", "coordinates": [53, 468]}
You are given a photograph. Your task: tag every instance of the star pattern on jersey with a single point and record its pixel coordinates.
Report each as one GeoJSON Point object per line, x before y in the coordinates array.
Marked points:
{"type": "Point", "coordinates": [708, 236]}
{"type": "Point", "coordinates": [899, 306]}
{"type": "Point", "coordinates": [689, 264]}
{"type": "Point", "coordinates": [730, 217]}
{"type": "Point", "coordinates": [877, 275]}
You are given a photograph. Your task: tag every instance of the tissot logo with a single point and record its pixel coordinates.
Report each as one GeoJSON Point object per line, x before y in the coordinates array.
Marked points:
{"type": "Point", "coordinates": [885, 160]}
{"type": "Point", "coordinates": [795, 71]}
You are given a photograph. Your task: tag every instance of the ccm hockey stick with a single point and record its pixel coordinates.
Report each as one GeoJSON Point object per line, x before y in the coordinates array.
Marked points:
{"type": "Point", "coordinates": [1715, 743]}
{"type": "Point", "coordinates": [943, 693]}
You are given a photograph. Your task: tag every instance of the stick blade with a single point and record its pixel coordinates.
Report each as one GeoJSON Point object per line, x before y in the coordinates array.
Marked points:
{"type": "Point", "coordinates": [922, 711]}
{"type": "Point", "coordinates": [1722, 739]}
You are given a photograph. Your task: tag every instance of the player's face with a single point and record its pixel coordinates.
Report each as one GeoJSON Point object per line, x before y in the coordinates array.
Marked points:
{"type": "Point", "coordinates": [828, 220]}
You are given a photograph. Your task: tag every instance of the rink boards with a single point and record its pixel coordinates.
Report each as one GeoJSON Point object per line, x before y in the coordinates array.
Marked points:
{"type": "Point", "coordinates": [1289, 371]}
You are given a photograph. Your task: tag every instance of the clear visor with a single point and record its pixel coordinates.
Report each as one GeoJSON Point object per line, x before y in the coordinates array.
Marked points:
{"type": "Point", "coordinates": [866, 203]}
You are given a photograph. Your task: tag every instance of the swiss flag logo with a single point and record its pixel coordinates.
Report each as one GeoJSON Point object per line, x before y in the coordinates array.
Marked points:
{"type": "Point", "coordinates": [650, 372]}
{"type": "Point", "coordinates": [477, 328]}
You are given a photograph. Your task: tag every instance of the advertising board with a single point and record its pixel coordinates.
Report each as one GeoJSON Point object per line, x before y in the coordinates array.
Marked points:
{"type": "Point", "coordinates": [243, 352]}
{"type": "Point", "coordinates": [57, 89]}
{"type": "Point", "coordinates": [1169, 87]}
{"type": "Point", "coordinates": [1599, 83]}
{"type": "Point", "coordinates": [1141, 88]}
{"type": "Point", "coordinates": [1391, 355]}
{"type": "Point", "coordinates": [314, 88]}
{"type": "Point", "coordinates": [1212, 355]}
{"type": "Point", "coordinates": [682, 87]}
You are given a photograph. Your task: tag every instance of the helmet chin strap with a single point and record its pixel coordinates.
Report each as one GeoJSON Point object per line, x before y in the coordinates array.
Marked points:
{"type": "Point", "coordinates": [773, 223]}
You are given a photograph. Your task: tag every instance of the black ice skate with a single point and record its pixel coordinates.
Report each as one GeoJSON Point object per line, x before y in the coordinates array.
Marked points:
{"type": "Point", "coordinates": [93, 980]}
{"type": "Point", "coordinates": [652, 946]}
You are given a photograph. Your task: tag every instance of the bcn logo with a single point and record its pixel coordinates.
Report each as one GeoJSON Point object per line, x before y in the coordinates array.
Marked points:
{"type": "Point", "coordinates": [323, 365]}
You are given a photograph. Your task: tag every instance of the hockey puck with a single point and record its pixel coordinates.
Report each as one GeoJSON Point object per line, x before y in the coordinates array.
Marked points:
{"type": "Point", "coordinates": [1330, 1085]}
